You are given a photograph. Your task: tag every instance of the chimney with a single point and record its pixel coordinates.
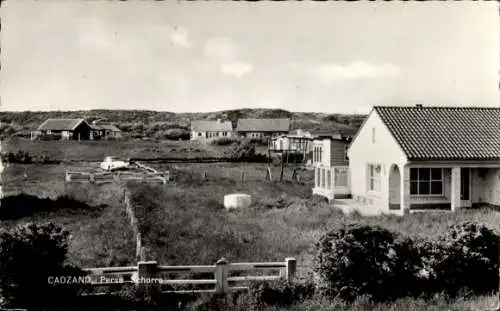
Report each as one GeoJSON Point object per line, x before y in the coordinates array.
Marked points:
{"type": "Point", "coordinates": [418, 105]}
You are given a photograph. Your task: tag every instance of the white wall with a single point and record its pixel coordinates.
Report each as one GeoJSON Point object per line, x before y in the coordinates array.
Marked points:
{"type": "Point", "coordinates": [384, 151]}
{"type": "Point", "coordinates": [326, 156]}
{"type": "Point", "coordinates": [486, 189]}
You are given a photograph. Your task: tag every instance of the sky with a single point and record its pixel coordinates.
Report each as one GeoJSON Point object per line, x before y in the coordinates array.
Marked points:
{"type": "Point", "coordinates": [201, 56]}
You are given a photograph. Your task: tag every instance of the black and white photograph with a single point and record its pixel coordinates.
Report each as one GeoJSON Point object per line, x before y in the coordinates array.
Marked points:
{"type": "Point", "coordinates": [249, 155]}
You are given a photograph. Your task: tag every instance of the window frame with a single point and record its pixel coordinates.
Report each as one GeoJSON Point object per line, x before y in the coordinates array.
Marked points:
{"type": "Point", "coordinates": [420, 181]}
{"type": "Point", "coordinates": [375, 177]}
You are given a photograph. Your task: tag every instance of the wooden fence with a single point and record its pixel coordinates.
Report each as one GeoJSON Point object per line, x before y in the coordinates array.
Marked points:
{"type": "Point", "coordinates": [148, 274]}
{"type": "Point", "coordinates": [99, 178]}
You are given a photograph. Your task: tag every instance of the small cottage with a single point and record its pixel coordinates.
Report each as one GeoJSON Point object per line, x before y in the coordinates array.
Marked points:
{"type": "Point", "coordinates": [207, 129]}
{"type": "Point", "coordinates": [260, 128]}
{"type": "Point", "coordinates": [65, 129]}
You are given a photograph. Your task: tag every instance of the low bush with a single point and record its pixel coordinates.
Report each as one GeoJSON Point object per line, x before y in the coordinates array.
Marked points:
{"type": "Point", "coordinates": [362, 260]}
{"type": "Point", "coordinates": [32, 257]}
{"type": "Point", "coordinates": [278, 293]}
{"type": "Point", "coordinates": [23, 157]}
{"type": "Point", "coordinates": [224, 141]}
{"type": "Point", "coordinates": [259, 141]}
{"type": "Point", "coordinates": [24, 205]}
{"type": "Point", "coordinates": [270, 295]}
{"type": "Point", "coordinates": [464, 258]}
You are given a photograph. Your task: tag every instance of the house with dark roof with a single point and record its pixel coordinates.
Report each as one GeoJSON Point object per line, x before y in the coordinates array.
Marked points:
{"type": "Point", "coordinates": [65, 129]}
{"type": "Point", "coordinates": [259, 128]}
{"type": "Point", "coordinates": [414, 158]}
{"type": "Point", "coordinates": [105, 131]}
{"type": "Point", "coordinates": [210, 129]}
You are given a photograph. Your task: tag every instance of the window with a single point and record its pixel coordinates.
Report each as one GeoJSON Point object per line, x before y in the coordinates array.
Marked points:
{"type": "Point", "coordinates": [328, 179]}
{"type": "Point", "coordinates": [317, 154]}
{"type": "Point", "coordinates": [373, 135]}
{"type": "Point", "coordinates": [426, 181]}
{"type": "Point", "coordinates": [199, 134]}
{"type": "Point", "coordinates": [374, 177]}
{"type": "Point", "coordinates": [317, 177]}
{"type": "Point", "coordinates": [323, 178]}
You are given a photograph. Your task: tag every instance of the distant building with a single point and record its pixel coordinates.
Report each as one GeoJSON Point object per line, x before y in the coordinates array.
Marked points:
{"type": "Point", "coordinates": [259, 128]}
{"type": "Point", "coordinates": [207, 129]}
{"type": "Point", "coordinates": [97, 131]}
{"type": "Point", "coordinates": [298, 141]}
{"type": "Point", "coordinates": [106, 131]}
{"type": "Point", "coordinates": [65, 129]}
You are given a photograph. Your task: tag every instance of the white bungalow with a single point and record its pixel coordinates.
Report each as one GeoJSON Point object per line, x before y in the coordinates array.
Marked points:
{"type": "Point", "coordinates": [210, 129]}
{"type": "Point", "coordinates": [406, 158]}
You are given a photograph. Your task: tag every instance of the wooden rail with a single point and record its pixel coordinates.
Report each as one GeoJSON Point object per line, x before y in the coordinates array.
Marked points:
{"type": "Point", "coordinates": [107, 177]}
{"type": "Point", "coordinates": [149, 274]}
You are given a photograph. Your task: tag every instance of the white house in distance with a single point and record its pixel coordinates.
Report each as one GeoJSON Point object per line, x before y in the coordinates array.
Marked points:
{"type": "Point", "coordinates": [297, 141]}
{"type": "Point", "coordinates": [207, 129]}
{"type": "Point", "coordinates": [406, 158]}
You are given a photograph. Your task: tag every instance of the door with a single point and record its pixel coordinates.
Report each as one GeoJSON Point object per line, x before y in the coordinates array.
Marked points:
{"type": "Point", "coordinates": [465, 187]}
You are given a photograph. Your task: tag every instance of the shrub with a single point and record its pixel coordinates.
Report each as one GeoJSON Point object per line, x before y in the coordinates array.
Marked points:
{"type": "Point", "coordinates": [278, 293]}
{"type": "Point", "coordinates": [362, 260]}
{"type": "Point", "coordinates": [23, 157]}
{"type": "Point", "coordinates": [224, 141]}
{"type": "Point", "coordinates": [259, 141]}
{"type": "Point", "coordinates": [243, 150]}
{"type": "Point", "coordinates": [464, 258]}
{"type": "Point", "coordinates": [23, 205]}
{"type": "Point", "coordinates": [30, 256]}
{"type": "Point", "coordinates": [260, 296]}
{"type": "Point", "coordinates": [174, 134]}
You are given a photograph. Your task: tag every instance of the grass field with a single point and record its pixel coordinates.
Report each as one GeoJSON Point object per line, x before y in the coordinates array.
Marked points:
{"type": "Point", "coordinates": [97, 150]}
{"type": "Point", "coordinates": [184, 222]}
{"type": "Point", "coordinates": [481, 303]}
{"type": "Point", "coordinates": [283, 220]}
{"type": "Point", "coordinates": [101, 233]}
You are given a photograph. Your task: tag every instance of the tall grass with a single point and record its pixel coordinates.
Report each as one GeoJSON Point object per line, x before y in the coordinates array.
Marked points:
{"type": "Point", "coordinates": [185, 222]}
{"type": "Point", "coordinates": [98, 150]}
{"type": "Point", "coordinates": [100, 230]}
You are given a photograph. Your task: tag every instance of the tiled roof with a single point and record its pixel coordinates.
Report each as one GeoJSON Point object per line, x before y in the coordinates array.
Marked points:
{"type": "Point", "coordinates": [263, 125]}
{"type": "Point", "coordinates": [445, 133]}
{"type": "Point", "coordinates": [60, 124]}
{"type": "Point", "coordinates": [211, 126]}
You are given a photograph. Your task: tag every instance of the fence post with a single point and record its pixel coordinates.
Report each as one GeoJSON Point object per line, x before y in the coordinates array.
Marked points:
{"type": "Point", "coordinates": [268, 174]}
{"type": "Point", "coordinates": [147, 274]}
{"type": "Point", "coordinates": [205, 175]}
{"type": "Point", "coordinates": [242, 176]}
{"type": "Point", "coordinates": [291, 268]}
{"type": "Point", "coordinates": [221, 273]}
{"type": "Point", "coordinates": [92, 178]}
